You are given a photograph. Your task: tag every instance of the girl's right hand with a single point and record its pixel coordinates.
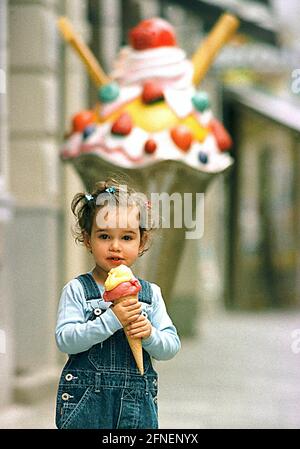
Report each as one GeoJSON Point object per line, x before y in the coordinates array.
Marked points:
{"type": "Point", "coordinates": [127, 311]}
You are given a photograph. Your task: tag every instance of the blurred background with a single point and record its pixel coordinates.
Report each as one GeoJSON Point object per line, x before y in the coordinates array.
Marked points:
{"type": "Point", "coordinates": [241, 332]}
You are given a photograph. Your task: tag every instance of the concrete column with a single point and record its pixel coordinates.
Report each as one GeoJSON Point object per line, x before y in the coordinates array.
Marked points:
{"type": "Point", "coordinates": [3, 95]}
{"type": "Point", "coordinates": [6, 319]}
{"type": "Point", "coordinates": [34, 180]}
{"type": "Point", "coordinates": [6, 335]}
{"type": "Point", "coordinates": [75, 94]}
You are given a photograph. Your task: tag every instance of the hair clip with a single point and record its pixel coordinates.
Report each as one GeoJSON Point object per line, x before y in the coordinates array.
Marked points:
{"type": "Point", "coordinates": [89, 197]}
{"type": "Point", "coordinates": [110, 189]}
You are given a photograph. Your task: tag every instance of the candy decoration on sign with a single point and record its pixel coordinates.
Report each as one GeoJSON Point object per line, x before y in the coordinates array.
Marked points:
{"type": "Point", "coordinates": [152, 92]}
{"type": "Point", "coordinates": [109, 92]}
{"type": "Point", "coordinates": [88, 130]}
{"type": "Point", "coordinates": [223, 138]}
{"type": "Point", "coordinates": [123, 125]}
{"type": "Point", "coordinates": [83, 119]}
{"type": "Point", "coordinates": [152, 33]}
{"type": "Point", "coordinates": [203, 157]}
{"type": "Point", "coordinates": [150, 146]}
{"type": "Point", "coordinates": [182, 137]}
{"type": "Point", "coordinates": [201, 101]}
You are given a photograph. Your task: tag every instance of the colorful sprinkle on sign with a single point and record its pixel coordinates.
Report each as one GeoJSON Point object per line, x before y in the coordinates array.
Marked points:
{"type": "Point", "coordinates": [201, 101]}
{"type": "Point", "coordinates": [83, 119]}
{"type": "Point", "coordinates": [88, 130]}
{"type": "Point", "coordinates": [109, 92]}
{"type": "Point", "coordinates": [182, 137]}
{"type": "Point", "coordinates": [203, 157]}
{"type": "Point", "coordinates": [222, 137]}
{"type": "Point", "coordinates": [152, 92]}
{"type": "Point", "coordinates": [150, 146]}
{"type": "Point", "coordinates": [123, 125]}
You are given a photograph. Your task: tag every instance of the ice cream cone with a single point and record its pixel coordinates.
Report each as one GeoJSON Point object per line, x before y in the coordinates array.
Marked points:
{"type": "Point", "coordinates": [134, 343]}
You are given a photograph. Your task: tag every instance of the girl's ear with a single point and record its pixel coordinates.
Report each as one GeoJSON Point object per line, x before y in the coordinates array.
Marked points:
{"type": "Point", "coordinates": [143, 242]}
{"type": "Point", "coordinates": [86, 240]}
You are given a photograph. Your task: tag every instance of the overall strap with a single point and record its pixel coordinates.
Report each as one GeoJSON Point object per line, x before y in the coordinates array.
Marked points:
{"type": "Point", "coordinates": [145, 294]}
{"type": "Point", "coordinates": [90, 287]}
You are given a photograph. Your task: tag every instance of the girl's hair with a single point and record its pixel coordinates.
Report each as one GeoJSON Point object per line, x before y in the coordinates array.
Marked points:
{"type": "Point", "coordinates": [111, 192]}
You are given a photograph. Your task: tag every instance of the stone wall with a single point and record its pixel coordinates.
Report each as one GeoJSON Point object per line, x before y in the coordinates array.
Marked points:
{"type": "Point", "coordinates": [46, 84]}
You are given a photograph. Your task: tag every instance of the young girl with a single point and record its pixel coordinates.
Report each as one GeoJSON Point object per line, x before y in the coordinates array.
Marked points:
{"type": "Point", "coordinates": [100, 386]}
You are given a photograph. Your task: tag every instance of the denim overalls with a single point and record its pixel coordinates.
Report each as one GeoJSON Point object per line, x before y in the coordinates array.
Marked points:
{"type": "Point", "coordinates": [102, 388]}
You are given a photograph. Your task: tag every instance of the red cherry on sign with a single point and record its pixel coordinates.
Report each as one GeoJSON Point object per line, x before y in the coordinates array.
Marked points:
{"type": "Point", "coordinates": [150, 146]}
{"type": "Point", "coordinates": [152, 92]}
{"type": "Point", "coordinates": [123, 125]}
{"type": "Point", "coordinates": [223, 138]}
{"type": "Point", "coordinates": [82, 119]}
{"type": "Point", "coordinates": [182, 137]}
{"type": "Point", "coordinates": [152, 33]}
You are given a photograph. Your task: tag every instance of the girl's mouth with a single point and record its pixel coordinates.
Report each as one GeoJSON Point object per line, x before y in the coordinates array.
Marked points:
{"type": "Point", "coordinates": [116, 259]}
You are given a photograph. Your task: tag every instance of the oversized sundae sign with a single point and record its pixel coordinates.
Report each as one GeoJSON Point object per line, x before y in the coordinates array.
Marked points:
{"type": "Point", "coordinates": [150, 109]}
{"type": "Point", "coordinates": [152, 121]}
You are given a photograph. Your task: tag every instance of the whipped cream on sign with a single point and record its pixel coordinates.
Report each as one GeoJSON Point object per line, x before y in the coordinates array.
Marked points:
{"type": "Point", "coordinates": [168, 64]}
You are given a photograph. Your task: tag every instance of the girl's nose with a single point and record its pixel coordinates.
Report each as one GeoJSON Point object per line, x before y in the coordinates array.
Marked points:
{"type": "Point", "coordinates": [115, 245]}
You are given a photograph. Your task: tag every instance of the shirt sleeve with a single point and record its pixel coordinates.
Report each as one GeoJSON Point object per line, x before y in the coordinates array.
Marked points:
{"type": "Point", "coordinates": [164, 341]}
{"type": "Point", "coordinates": [73, 333]}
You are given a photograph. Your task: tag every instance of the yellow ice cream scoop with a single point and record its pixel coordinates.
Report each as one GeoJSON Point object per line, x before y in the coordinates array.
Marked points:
{"type": "Point", "coordinates": [117, 275]}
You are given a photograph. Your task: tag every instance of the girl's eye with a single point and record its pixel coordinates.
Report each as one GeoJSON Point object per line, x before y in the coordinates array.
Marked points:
{"type": "Point", "coordinates": [103, 236]}
{"type": "Point", "coordinates": [127, 237]}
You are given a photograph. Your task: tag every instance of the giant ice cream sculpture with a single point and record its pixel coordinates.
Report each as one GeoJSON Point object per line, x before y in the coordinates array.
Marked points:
{"type": "Point", "coordinates": [121, 285]}
{"type": "Point", "coordinates": [152, 122]}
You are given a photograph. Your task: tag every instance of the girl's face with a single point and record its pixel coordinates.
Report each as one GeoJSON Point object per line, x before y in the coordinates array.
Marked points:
{"type": "Point", "coordinates": [115, 238]}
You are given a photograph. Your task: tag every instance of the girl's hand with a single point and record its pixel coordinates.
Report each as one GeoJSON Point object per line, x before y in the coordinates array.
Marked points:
{"type": "Point", "coordinates": [127, 311]}
{"type": "Point", "coordinates": [140, 328]}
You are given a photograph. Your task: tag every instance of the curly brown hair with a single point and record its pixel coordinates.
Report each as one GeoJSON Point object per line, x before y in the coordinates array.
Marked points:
{"type": "Point", "coordinates": [85, 205]}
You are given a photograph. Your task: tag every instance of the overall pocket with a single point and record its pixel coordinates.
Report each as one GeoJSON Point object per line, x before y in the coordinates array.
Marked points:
{"type": "Point", "coordinates": [99, 355]}
{"type": "Point", "coordinates": [72, 410]}
{"type": "Point", "coordinates": [129, 409]}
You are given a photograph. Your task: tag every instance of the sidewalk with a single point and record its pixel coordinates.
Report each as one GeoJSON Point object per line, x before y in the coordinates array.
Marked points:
{"type": "Point", "coordinates": [240, 372]}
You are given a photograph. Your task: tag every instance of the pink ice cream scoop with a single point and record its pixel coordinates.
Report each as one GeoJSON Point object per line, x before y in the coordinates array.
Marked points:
{"type": "Point", "coordinates": [127, 288]}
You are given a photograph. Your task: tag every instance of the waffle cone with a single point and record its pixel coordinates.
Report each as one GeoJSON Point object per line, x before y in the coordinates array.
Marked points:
{"type": "Point", "coordinates": [135, 343]}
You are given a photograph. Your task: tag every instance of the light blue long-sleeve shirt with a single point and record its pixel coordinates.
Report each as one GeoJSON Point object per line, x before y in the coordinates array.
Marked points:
{"type": "Point", "coordinates": [76, 333]}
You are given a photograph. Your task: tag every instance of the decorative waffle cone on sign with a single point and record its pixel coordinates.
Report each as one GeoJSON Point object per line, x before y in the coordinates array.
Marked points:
{"type": "Point", "coordinates": [152, 122]}
{"type": "Point", "coordinates": [121, 285]}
